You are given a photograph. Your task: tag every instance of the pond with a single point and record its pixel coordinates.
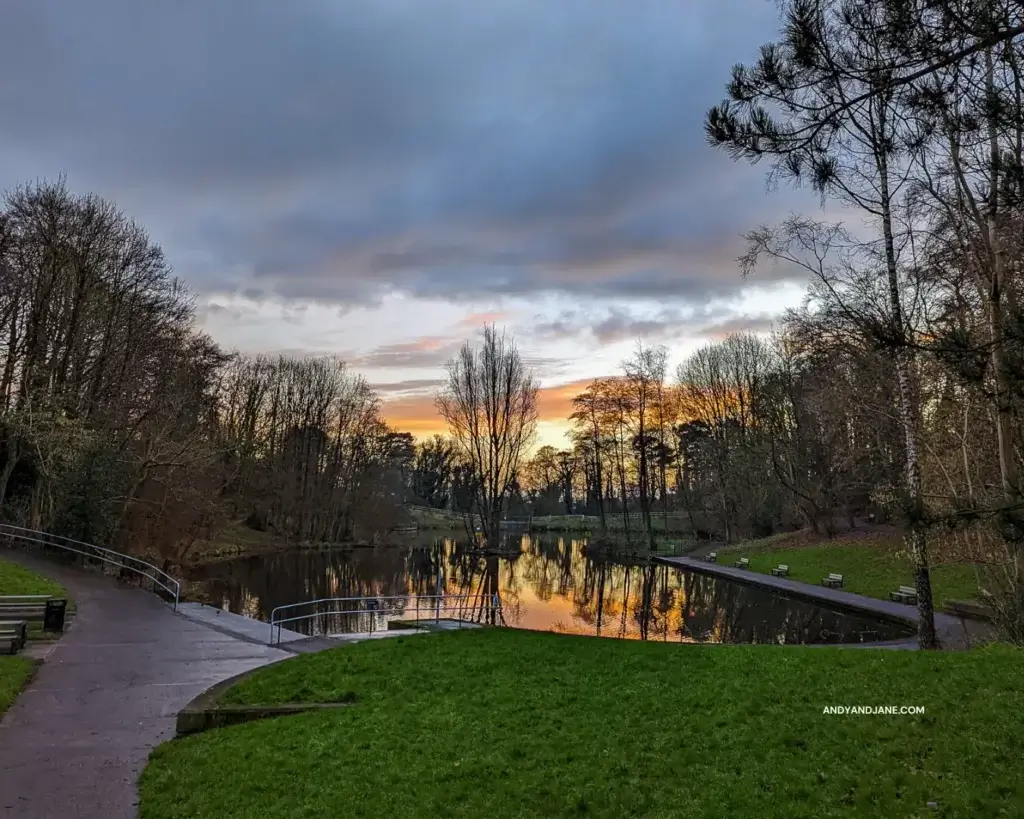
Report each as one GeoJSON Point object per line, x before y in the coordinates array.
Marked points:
{"type": "Point", "coordinates": [548, 584]}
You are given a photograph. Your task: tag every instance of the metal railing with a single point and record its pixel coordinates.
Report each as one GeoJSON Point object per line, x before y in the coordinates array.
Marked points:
{"type": "Point", "coordinates": [372, 606]}
{"type": "Point", "coordinates": [158, 577]}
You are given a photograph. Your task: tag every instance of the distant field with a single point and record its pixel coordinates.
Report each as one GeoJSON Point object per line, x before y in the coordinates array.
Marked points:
{"type": "Point", "coordinates": [427, 518]}
{"type": "Point", "coordinates": [677, 523]}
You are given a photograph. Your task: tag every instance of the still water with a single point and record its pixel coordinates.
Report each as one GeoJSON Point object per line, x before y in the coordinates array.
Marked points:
{"type": "Point", "coordinates": [549, 584]}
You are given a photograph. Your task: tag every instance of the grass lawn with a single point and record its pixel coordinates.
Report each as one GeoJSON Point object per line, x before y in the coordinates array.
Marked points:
{"type": "Point", "coordinates": [870, 566]}
{"type": "Point", "coordinates": [14, 674]}
{"type": "Point", "coordinates": [506, 723]}
{"type": "Point", "coordinates": [15, 579]}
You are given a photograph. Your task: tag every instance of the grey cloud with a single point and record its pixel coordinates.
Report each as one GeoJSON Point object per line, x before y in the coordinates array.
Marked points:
{"type": "Point", "coordinates": [235, 313]}
{"type": "Point", "coordinates": [451, 148]}
{"type": "Point", "coordinates": [427, 352]}
{"type": "Point", "coordinates": [615, 324]}
{"type": "Point", "coordinates": [618, 324]}
{"type": "Point", "coordinates": [740, 324]}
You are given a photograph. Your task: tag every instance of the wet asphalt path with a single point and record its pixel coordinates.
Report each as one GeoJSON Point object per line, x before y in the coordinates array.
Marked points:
{"type": "Point", "coordinates": [74, 743]}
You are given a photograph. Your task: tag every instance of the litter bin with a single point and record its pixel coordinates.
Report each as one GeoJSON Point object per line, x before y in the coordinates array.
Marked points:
{"type": "Point", "coordinates": [53, 615]}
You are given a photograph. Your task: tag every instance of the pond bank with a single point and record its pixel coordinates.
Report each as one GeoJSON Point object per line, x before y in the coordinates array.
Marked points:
{"type": "Point", "coordinates": [953, 632]}
{"type": "Point", "coordinates": [547, 584]}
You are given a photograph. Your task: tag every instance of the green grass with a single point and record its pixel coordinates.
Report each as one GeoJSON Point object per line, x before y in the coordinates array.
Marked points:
{"type": "Point", "coordinates": [15, 579]}
{"type": "Point", "coordinates": [870, 566]}
{"type": "Point", "coordinates": [505, 723]}
{"type": "Point", "coordinates": [15, 672]}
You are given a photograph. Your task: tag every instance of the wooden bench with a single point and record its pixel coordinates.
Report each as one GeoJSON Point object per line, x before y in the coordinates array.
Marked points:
{"type": "Point", "coordinates": [833, 581]}
{"type": "Point", "coordinates": [25, 606]}
{"type": "Point", "coordinates": [781, 570]}
{"type": "Point", "coordinates": [905, 594]}
{"type": "Point", "coordinates": [712, 557]}
{"type": "Point", "coordinates": [25, 598]}
{"type": "Point", "coordinates": [14, 628]}
{"type": "Point", "coordinates": [16, 603]}
{"type": "Point", "coordinates": [742, 563]}
{"type": "Point", "coordinates": [22, 611]}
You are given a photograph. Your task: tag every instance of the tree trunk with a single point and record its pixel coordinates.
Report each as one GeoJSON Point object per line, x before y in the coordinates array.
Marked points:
{"type": "Point", "coordinates": [599, 480]}
{"type": "Point", "coordinates": [908, 417]}
{"type": "Point", "coordinates": [1008, 471]}
{"type": "Point", "coordinates": [13, 456]}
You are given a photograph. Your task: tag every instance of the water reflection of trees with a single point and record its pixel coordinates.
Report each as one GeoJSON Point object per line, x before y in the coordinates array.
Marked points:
{"type": "Point", "coordinates": [549, 583]}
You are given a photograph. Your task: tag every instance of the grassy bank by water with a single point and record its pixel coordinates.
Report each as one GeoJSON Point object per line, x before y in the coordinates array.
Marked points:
{"type": "Point", "coordinates": [872, 565]}
{"type": "Point", "coordinates": [233, 539]}
{"type": "Point", "coordinates": [505, 723]}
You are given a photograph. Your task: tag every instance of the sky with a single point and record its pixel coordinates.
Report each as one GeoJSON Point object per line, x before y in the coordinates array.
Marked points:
{"type": "Point", "coordinates": [379, 179]}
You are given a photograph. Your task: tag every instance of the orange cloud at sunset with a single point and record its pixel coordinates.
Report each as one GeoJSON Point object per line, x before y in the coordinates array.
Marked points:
{"type": "Point", "coordinates": [418, 415]}
{"type": "Point", "coordinates": [481, 319]}
{"type": "Point", "coordinates": [424, 344]}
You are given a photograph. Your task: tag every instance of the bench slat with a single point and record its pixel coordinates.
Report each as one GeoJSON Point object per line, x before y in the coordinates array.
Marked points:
{"type": "Point", "coordinates": [18, 598]}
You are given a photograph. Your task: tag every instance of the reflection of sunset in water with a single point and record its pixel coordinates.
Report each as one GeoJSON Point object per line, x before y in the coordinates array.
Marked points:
{"type": "Point", "coordinates": [549, 584]}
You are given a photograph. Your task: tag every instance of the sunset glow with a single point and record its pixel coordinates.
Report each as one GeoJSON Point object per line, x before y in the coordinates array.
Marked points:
{"type": "Point", "coordinates": [418, 415]}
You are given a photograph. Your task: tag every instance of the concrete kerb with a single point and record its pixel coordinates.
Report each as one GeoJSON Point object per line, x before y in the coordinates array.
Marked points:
{"type": "Point", "coordinates": [204, 713]}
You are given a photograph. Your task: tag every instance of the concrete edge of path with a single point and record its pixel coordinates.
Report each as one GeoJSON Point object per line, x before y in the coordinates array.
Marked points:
{"type": "Point", "coordinates": [205, 712]}
{"type": "Point", "coordinates": [950, 629]}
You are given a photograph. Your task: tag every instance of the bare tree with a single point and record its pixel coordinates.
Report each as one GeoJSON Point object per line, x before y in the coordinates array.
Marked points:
{"type": "Point", "coordinates": [644, 382]}
{"type": "Point", "coordinates": [490, 406]}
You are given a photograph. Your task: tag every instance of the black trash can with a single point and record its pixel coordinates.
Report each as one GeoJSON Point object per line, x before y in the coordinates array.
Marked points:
{"type": "Point", "coordinates": [53, 615]}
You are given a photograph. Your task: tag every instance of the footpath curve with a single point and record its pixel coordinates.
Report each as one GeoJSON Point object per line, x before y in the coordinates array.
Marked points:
{"type": "Point", "coordinates": [74, 743]}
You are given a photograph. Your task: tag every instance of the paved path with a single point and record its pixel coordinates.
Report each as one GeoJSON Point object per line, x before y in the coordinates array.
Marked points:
{"type": "Point", "coordinates": [74, 743]}
{"type": "Point", "coordinates": [953, 632]}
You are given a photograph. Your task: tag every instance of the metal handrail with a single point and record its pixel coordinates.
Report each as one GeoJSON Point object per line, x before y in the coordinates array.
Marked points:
{"type": "Point", "coordinates": [436, 602]}
{"type": "Point", "coordinates": [158, 576]}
